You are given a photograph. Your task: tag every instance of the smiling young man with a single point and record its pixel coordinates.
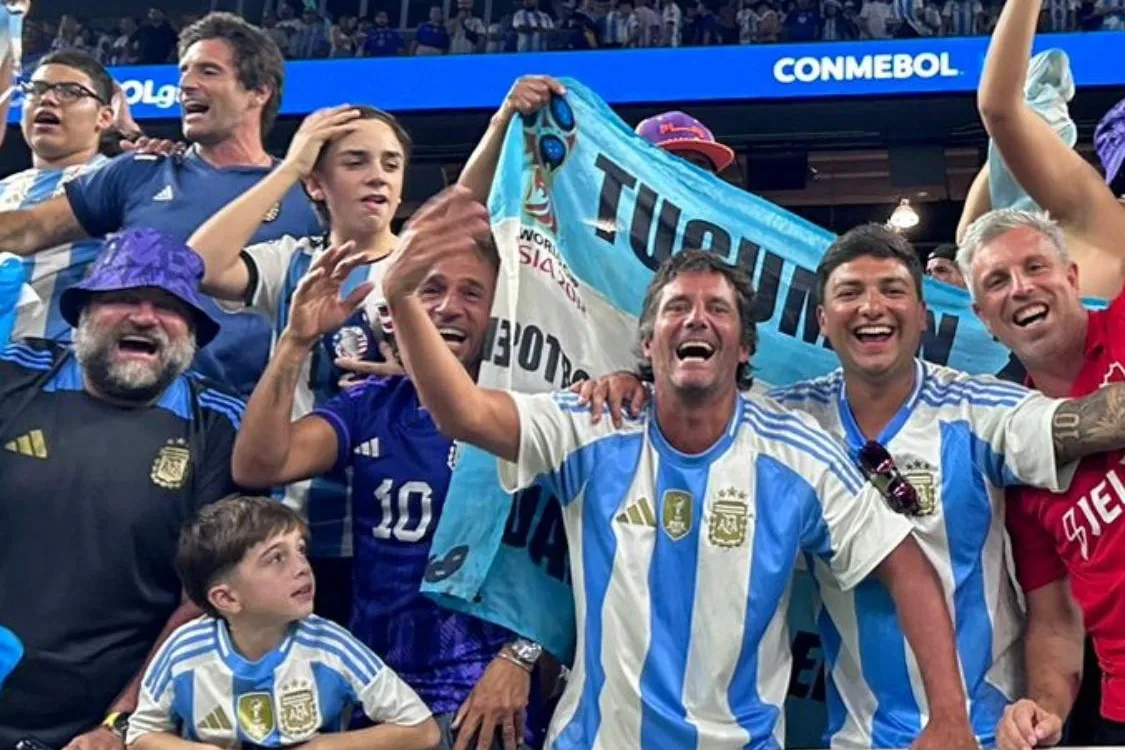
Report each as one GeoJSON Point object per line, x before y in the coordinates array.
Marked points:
{"type": "Point", "coordinates": [231, 76]}
{"type": "Point", "coordinates": [958, 440]}
{"type": "Point", "coordinates": [1025, 288]}
{"type": "Point", "coordinates": [701, 506]}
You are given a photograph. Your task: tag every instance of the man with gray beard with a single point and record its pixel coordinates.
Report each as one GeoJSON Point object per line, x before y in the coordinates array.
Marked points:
{"type": "Point", "coordinates": [106, 449]}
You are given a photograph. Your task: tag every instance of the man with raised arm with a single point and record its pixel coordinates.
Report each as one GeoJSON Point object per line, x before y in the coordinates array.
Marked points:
{"type": "Point", "coordinates": [702, 505]}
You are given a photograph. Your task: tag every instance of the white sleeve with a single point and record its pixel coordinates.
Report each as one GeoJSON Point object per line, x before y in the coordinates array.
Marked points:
{"type": "Point", "coordinates": [271, 262]}
{"type": "Point", "coordinates": [1015, 425]}
{"type": "Point", "coordinates": [153, 714]}
{"type": "Point", "coordinates": [862, 529]}
{"type": "Point", "coordinates": [387, 699]}
{"type": "Point", "coordinates": [553, 430]}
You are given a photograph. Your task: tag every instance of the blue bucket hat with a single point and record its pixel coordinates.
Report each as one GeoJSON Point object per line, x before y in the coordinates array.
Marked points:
{"type": "Point", "coordinates": [139, 258]}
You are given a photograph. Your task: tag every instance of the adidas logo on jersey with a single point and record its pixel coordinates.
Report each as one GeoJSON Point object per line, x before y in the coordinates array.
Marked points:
{"type": "Point", "coordinates": [164, 195]}
{"type": "Point", "coordinates": [33, 445]}
{"type": "Point", "coordinates": [369, 449]}
{"type": "Point", "coordinates": [638, 513]}
{"type": "Point", "coordinates": [216, 720]}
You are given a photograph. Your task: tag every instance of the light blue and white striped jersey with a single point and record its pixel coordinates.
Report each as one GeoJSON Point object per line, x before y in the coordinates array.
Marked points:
{"type": "Point", "coordinates": [198, 687]}
{"type": "Point", "coordinates": [682, 566]}
{"type": "Point", "coordinates": [280, 265]}
{"type": "Point", "coordinates": [54, 270]}
{"type": "Point", "coordinates": [959, 439]}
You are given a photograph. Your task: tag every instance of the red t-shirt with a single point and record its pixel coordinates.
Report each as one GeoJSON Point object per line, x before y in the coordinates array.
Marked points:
{"type": "Point", "coordinates": [1081, 533]}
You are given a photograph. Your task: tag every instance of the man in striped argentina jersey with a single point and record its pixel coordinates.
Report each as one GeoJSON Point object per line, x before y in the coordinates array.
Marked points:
{"type": "Point", "coordinates": [259, 669]}
{"type": "Point", "coordinates": [352, 160]}
{"type": "Point", "coordinates": [683, 526]}
{"type": "Point", "coordinates": [959, 440]}
{"type": "Point", "coordinates": [66, 110]}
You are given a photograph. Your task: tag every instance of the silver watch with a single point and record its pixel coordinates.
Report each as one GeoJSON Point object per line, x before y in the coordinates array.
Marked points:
{"type": "Point", "coordinates": [528, 652]}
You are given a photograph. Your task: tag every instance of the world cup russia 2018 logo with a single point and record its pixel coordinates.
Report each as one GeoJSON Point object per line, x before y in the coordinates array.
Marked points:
{"type": "Point", "coordinates": [549, 136]}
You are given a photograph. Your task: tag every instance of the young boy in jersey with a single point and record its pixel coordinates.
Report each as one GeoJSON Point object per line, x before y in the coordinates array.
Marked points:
{"type": "Point", "coordinates": [259, 669]}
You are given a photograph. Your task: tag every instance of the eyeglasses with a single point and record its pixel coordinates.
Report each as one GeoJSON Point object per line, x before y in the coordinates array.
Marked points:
{"type": "Point", "coordinates": [66, 91]}
{"type": "Point", "coordinates": [881, 471]}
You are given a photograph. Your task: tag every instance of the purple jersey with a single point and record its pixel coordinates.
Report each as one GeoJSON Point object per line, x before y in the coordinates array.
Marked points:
{"type": "Point", "coordinates": [401, 470]}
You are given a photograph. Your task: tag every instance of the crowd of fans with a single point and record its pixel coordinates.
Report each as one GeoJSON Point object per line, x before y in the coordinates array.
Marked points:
{"type": "Point", "coordinates": [306, 33]}
{"type": "Point", "coordinates": [210, 316]}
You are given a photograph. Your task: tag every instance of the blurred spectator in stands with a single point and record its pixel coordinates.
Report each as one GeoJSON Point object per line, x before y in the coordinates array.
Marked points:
{"type": "Point", "coordinates": [964, 17]}
{"type": "Point", "coordinates": [579, 26]}
{"type": "Point", "coordinates": [311, 37]}
{"type": "Point", "coordinates": [802, 24]}
{"type": "Point", "coordinates": [906, 18]}
{"type": "Point", "coordinates": [619, 26]}
{"type": "Point", "coordinates": [66, 110]}
{"type": "Point", "coordinates": [707, 23]}
{"type": "Point", "coordinates": [728, 24]}
{"type": "Point", "coordinates": [124, 49]}
{"type": "Point", "coordinates": [532, 27]}
{"type": "Point", "coordinates": [382, 40]}
{"type": "Point", "coordinates": [747, 24]}
{"type": "Point", "coordinates": [672, 18]}
{"type": "Point", "coordinates": [769, 22]}
{"type": "Point", "coordinates": [836, 25]}
{"type": "Point", "coordinates": [1112, 13]}
{"type": "Point", "coordinates": [287, 18]}
{"type": "Point", "coordinates": [648, 21]}
{"type": "Point", "coordinates": [276, 32]}
{"type": "Point", "coordinates": [432, 36]}
{"type": "Point", "coordinates": [932, 23]}
{"type": "Point", "coordinates": [156, 39]}
{"type": "Point", "coordinates": [342, 37]}
{"type": "Point", "coordinates": [69, 35]}
{"type": "Point", "coordinates": [942, 265]}
{"type": "Point", "coordinates": [362, 30]}
{"type": "Point", "coordinates": [466, 31]}
{"type": "Point", "coordinates": [874, 19]}
{"type": "Point", "coordinates": [1059, 15]}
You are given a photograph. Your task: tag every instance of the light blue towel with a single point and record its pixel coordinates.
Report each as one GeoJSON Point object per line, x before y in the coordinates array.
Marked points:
{"type": "Point", "coordinates": [1049, 87]}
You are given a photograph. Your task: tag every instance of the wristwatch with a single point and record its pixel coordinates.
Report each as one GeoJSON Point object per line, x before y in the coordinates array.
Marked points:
{"type": "Point", "coordinates": [118, 723]}
{"type": "Point", "coordinates": [526, 651]}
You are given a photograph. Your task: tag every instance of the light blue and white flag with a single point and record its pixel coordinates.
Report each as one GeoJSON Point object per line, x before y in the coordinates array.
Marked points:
{"type": "Point", "coordinates": [584, 211]}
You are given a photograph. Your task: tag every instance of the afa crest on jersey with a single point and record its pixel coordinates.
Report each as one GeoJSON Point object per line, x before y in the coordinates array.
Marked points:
{"type": "Point", "coordinates": [170, 467]}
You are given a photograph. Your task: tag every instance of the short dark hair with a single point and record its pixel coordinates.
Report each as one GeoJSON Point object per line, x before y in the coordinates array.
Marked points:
{"type": "Point", "coordinates": [700, 261]}
{"type": "Point", "coordinates": [256, 56]}
{"type": "Point", "coordinates": [367, 112]}
{"type": "Point", "coordinates": [86, 63]}
{"type": "Point", "coordinates": [947, 251]}
{"type": "Point", "coordinates": [868, 240]}
{"type": "Point", "coordinates": [217, 539]}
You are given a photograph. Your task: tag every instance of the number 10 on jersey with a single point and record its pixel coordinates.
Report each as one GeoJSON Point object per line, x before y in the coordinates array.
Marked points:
{"type": "Point", "coordinates": [405, 515]}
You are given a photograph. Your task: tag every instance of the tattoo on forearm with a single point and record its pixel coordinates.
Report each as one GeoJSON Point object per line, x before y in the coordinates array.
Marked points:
{"type": "Point", "coordinates": [1089, 425]}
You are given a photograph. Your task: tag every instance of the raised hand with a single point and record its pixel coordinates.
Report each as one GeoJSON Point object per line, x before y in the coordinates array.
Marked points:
{"type": "Point", "coordinates": [317, 307]}
{"type": "Point", "coordinates": [451, 222]}
{"type": "Point", "coordinates": [318, 129]}
{"type": "Point", "coordinates": [529, 94]}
